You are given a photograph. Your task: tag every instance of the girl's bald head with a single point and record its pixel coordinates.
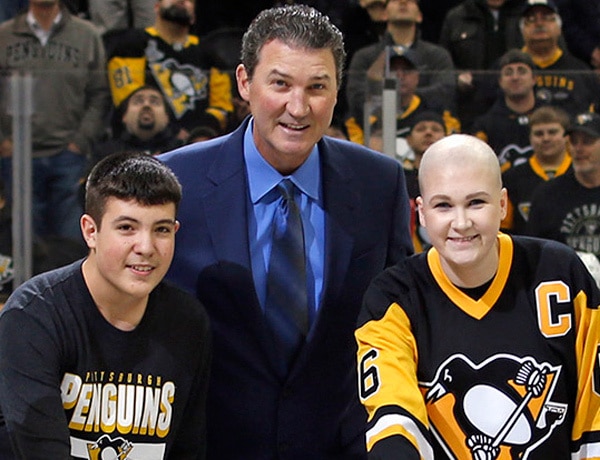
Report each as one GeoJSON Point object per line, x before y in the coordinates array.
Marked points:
{"type": "Point", "coordinates": [459, 149]}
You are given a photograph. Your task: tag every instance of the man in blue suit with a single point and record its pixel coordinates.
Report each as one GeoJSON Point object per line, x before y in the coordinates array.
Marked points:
{"type": "Point", "coordinates": [355, 218]}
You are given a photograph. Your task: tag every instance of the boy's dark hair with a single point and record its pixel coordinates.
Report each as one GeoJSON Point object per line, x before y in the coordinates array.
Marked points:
{"type": "Point", "coordinates": [130, 176]}
{"type": "Point", "coordinates": [296, 25]}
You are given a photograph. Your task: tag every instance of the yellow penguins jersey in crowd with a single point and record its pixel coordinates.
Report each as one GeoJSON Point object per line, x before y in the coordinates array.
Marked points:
{"type": "Point", "coordinates": [506, 371]}
{"type": "Point", "coordinates": [184, 73]}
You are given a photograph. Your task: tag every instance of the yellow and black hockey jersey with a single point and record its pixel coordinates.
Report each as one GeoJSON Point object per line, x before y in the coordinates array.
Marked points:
{"type": "Point", "coordinates": [521, 181]}
{"type": "Point", "coordinates": [404, 120]}
{"type": "Point", "coordinates": [509, 372]}
{"type": "Point", "coordinates": [193, 87]}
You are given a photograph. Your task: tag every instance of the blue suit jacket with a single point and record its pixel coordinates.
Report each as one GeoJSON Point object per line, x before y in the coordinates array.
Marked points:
{"type": "Point", "coordinates": [254, 412]}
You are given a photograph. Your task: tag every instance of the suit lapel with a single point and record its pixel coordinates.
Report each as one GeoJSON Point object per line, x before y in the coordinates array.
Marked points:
{"type": "Point", "coordinates": [340, 199]}
{"type": "Point", "coordinates": [226, 216]}
{"type": "Point", "coordinates": [226, 206]}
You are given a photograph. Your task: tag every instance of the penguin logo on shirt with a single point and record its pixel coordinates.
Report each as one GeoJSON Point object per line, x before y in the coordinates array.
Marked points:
{"type": "Point", "coordinates": [105, 447]}
{"type": "Point", "coordinates": [499, 409]}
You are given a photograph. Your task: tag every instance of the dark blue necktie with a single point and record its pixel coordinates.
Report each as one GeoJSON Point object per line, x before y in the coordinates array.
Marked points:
{"type": "Point", "coordinates": [286, 307]}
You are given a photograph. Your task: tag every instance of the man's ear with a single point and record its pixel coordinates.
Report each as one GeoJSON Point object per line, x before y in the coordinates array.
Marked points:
{"type": "Point", "coordinates": [89, 230]}
{"type": "Point", "coordinates": [243, 82]}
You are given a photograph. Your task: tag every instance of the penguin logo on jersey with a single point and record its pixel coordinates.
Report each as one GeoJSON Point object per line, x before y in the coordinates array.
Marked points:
{"type": "Point", "coordinates": [499, 409]}
{"type": "Point", "coordinates": [524, 209]}
{"type": "Point", "coordinates": [105, 447]}
{"type": "Point", "coordinates": [182, 84]}
{"type": "Point", "coordinates": [514, 154]}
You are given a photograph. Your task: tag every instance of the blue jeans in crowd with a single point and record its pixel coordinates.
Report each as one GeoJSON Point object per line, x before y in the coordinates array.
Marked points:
{"type": "Point", "coordinates": [56, 203]}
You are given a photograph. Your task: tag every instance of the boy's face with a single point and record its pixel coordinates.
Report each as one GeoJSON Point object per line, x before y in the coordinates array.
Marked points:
{"type": "Point", "coordinates": [461, 207]}
{"type": "Point", "coordinates": [548, 140]}
{"type": "Point", "coordinates": [130, 252]}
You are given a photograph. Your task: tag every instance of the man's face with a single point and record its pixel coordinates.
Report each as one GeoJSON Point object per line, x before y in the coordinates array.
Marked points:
{"type": "Point", "coordinates": [548, 140]}
{"type": "Point", "coordinates": [292, 95]}
{"type": "Point", "coordinates": [146, 114]}
{"type": "Point", "coordinates": [516, 80]}
{"type": "Point", "coordinates": [130, 252]}
{"type": "Point", "coordinates": [403, 11]}
{"type": "Point", "coordinates": [585, 151]}
{"type": "Point", "coordinates": [406, 75]}
{"type": "Point", "coordinates": [423, 134]}
{"type": "Point", "coordinates": [178, 11]}
{"type": "Point", "coordinates": [540, 24]}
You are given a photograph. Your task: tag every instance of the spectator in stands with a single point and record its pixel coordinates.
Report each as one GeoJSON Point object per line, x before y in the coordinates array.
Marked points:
{"type": "Point", "coordinates": [169, 57]}
{"type": "Point", "coordinates": [550, 159]}
{"type": "Point", "coordinates": [477, 33]}
{"type": "Point", "coordinates": [427, 128]}
{"type": "Point", "coordinates": [122, 14]}
{"type": "Point", "coordinates": [367, 67]}
{"type": "Point", "coordinates": [505, 126]}
{"type": "Point", "coordinates": [144, 126]}
{"type": "Point", "coordinates": [563, 80]}
{"type": "Point", "coordinates": [71, 99]}
{"type": "Point", "coordinates": [404, 64]}
{"type": "Point", "coordinates": [567, 208]}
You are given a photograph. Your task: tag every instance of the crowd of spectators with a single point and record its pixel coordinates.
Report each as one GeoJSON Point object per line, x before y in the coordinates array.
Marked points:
{"type": "Point", "coordinates": [482, 66]}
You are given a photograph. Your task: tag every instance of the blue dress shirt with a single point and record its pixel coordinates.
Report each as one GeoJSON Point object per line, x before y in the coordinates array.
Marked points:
{"type": "Point", "coordinates": [263, 180]}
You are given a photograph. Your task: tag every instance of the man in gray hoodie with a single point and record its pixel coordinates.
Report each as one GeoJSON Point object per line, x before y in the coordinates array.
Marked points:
{"type": "Point", "coordinates": [66, 58]}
